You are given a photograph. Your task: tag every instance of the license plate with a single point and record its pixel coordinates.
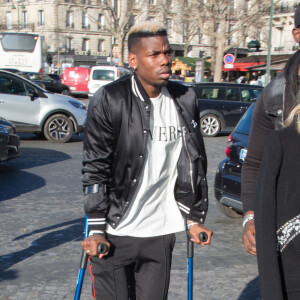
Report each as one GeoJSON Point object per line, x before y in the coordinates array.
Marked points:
{"type": "Point", "coordinates": [243, 154]}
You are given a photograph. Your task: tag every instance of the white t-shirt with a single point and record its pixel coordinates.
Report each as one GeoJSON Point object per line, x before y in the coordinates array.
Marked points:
{"type": "Point", "coordinates": [153, 210]}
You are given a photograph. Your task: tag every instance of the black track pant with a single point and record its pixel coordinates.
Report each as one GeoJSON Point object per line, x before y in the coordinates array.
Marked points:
{"type": "Point", "coordinates": [136, 268]}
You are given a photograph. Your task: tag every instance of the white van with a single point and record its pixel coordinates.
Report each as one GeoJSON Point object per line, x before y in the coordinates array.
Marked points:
{"type": "Point", "coordinates": [102, 75]}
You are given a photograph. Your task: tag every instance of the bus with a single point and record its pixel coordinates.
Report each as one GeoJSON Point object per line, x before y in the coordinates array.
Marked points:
{"type": "Point", "coordinates": [22, 51]}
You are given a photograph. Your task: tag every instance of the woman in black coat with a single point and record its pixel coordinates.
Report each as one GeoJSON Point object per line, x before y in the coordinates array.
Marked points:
{"type": "Point", "coordinates": [277, 214]}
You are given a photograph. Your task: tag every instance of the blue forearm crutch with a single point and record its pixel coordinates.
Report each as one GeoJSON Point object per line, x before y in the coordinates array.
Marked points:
{"type": "Point", "coordinates": [102, 248]}
{"type": "Point", "coordinates": [190, 254]}
{"type": "Point", "coordinates": [83, 263]}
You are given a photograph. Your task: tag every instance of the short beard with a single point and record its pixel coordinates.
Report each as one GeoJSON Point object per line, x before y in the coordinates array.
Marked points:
{"type": "Point", "coordinates": [160, 85]}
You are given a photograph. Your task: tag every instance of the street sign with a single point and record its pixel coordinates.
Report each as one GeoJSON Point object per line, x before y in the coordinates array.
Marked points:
{"type": "Point", "coordinates": [228, 66]}
{"type": "Point", "coordinates": [229, 59]}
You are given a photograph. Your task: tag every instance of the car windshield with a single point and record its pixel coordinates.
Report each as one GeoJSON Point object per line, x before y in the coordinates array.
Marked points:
{"type": "Point", "coordinates": [103, 75]}
{"type": "Point", "coordinates": [39, 76]}
{"type": "Point", "coordinates": [245, 123]}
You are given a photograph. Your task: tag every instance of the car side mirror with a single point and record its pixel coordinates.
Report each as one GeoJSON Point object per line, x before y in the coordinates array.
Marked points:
{"type": "Point", "coordinates": [32, 95]}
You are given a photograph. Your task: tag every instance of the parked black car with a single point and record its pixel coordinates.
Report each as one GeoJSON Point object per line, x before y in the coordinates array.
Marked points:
{"type": "Point", "coordinates": [48, 83]}
{"type": "Point", "coordinates": [221, 105]}
{"type": "Point", "coordinates": [9, 141]}
{"type": "Point", "coordinates": [55, 77]}
{"type": "Point", "coordinates": [15, 71]}
{"type": "Point", "coordinates": [12, 70]}
{"type": "Point", "coordinates": [228, 176]}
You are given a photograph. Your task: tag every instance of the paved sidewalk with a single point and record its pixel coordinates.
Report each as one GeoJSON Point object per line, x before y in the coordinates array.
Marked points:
{"type": "Point", "coordinates": [41, 228]}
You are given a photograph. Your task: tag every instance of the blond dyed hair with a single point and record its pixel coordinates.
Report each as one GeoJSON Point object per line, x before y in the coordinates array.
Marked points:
{"type": "Point", "coordinates": [147, 26]}
{"type": "Point", "coordinates": [144, 30]}
{"type": "Point", "coordinates": [290, 119]}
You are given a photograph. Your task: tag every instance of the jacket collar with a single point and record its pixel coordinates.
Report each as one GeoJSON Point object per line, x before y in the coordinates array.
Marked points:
{"type": "Point", "coordinates": [138, 89]}
{"type": "Point", "coordinates": [176, 90]}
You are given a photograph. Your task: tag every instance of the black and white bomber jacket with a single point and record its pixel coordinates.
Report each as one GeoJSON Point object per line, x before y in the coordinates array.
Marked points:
{"type": "Point", "coordinates": [115, 143]}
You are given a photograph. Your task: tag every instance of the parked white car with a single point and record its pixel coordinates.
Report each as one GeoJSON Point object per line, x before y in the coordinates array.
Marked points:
{"type": "Point", "coordinates": [102, 75]}
{"type": "Point", "coordinates": [33, 109]}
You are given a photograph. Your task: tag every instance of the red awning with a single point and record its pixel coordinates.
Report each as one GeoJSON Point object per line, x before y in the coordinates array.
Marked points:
{"type": "Point", "coordinates": [242, 66]}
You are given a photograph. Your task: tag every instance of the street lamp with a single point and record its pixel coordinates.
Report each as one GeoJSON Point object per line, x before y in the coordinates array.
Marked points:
{"type": "Point", "coordinates": [22, 7]}
{"type": "Point", "coordinates": [268, 77]}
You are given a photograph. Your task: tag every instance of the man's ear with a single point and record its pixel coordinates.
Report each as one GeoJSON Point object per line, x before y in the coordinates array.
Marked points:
{"type": "Point", "coordinates": [132, 61]}
{"type": "Point", "coordinates": [296, 34]}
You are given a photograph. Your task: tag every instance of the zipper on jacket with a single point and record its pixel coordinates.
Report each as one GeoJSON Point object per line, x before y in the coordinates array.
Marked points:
{"type": "Point", "coordinates": [190, 161]}
{"type": "Point", "coordinates": [283, 100]}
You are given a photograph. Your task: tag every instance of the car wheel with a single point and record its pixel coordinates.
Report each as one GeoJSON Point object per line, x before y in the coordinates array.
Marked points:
{"type": "Point", "coordinates": [58, 129]}
{"type": "Point", "coordinates": [210, 125]}
{"type": "Point", "coordinates": [228, 211]}
{"type": "Point", "coordinates": [65, 92]}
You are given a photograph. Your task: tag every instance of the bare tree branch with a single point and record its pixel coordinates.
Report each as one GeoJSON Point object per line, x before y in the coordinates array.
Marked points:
{"type": "Point", "coordinates": [227, 23]}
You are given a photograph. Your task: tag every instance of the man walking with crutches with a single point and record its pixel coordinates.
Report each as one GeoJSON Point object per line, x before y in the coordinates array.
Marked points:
{"type": "Point", "coordinates": [144, 172]}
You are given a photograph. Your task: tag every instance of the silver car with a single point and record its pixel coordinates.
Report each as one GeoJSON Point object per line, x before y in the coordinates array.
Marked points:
{"type": "Point", "coordinates": [33, 109]}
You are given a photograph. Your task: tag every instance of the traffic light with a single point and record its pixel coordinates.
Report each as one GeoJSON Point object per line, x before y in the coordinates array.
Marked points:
{"type": "Point", "coordinates": [49, 59]}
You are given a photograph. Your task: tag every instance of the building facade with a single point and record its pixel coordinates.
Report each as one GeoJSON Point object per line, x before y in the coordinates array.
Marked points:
{"type": "Point", "coordinates": [84, 32]}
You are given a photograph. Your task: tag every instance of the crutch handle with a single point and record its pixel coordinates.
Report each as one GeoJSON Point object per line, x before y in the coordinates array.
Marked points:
{"type": "Point", "coordinates": [83, 261]}
{"type": "Point", "coordinates": [203, 236]}
{"type": "Point", "coordinates": [102, 248]}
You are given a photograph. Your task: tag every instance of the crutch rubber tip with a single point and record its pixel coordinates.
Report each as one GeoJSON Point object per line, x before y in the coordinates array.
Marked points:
{"type": "Point", "coordinates": [102, 248]}
{"type": "Point", "coordinates": [203, 236]}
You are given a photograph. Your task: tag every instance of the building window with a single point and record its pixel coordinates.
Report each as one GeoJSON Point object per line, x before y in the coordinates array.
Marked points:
{"type": "Point", "coordinates": [85, 45]}
{"type": "Point", "coordinates": [9, 20]}
{"type": "Point", "coordinates": [131, 21]}
{"type": "Point", "coordinates": [169, 25]}
{"type": "Point", "coordinates": [100, 45]}
{"type": "Point", "coordinates": [69, 19]}
{"type": "Point", "coordinates": [184, 31]}
{"type": "Point", "coordinates": [85, 20]}
{"type": "Point", "coordinates": [101, 21]}
{"type": "Point", "coordinates": [230, 29]}
{"type": "Point", "coordinates": [179, 53]}
{"type": "Point", "coordinates": [152, 2]}
{"type": "Point", "coordinates": [24, 21]}
{"type": "Point", "coordinates": [41, 18]}
{"type": "Point", "coordinates": [279, 46]}
{"type": "Point", "coordinates": [258, 34]}
{"type": "Point", "coordinates": [279, 38]}
{"type": "Point", "coordinates": [69, 44]}
{"type": "Point", "coordinates": [199, 36]}
{"type": "Point", "coordinates": [284, 4]}
{"type": "Point", "coordinates": [151, 19]}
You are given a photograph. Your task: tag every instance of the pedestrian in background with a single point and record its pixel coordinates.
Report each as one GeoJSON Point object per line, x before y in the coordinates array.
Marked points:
{"type": "Point", "coordinates": [277, 214]}
{"type": "Point", "coordinates": [272, 107]}
{"type": "Point", "coordinates": [253, 81]}
{"type": "Point", "coordinates": [144, 172]}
